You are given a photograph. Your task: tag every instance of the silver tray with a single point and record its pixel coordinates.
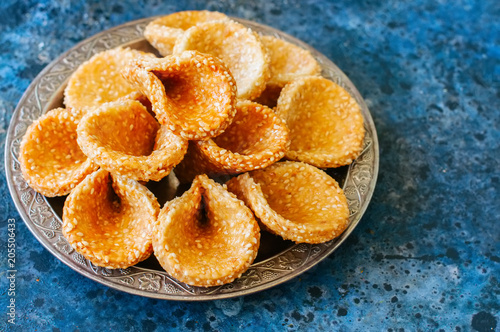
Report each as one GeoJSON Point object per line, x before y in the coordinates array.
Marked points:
{"type": "Point", "coordinates": [278, 260]}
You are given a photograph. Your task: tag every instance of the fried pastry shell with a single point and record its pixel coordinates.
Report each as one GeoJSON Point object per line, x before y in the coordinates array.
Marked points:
{"type": "Point", "coordinates": [325, 122]}
{"type": "Point", "coordinates": [137, 96]}
{"type": "Point", "coordinates": [288, 61]}
{"type": "Point", "coordinates": [255, 139]}
{"type": "Point", "coordinates": [294, 200]}
{"type": "Point", "coordinates": [123, 138]}
{"type": "Point", "coordinates": [164, 31]}
{"type": "Point", "coordinates": [99, 79]}
{"type": "Point", "coordinates": [109, 220]}
{"type": "Point", "coordinates": [237, 46]}
{"type": "Point", "coordinates": [51, 161]}
{"type": "Point", "coordinates": [191, 93]}
{"type": "Point", "coordinates": [206, 237]}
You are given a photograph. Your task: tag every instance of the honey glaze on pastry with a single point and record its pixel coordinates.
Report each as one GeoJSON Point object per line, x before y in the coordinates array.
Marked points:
{"type": "Point", "coordinates": [206, 237]}
{"type": "Point", "coordinates": [51, 161]}
{"type": "Point", "coordinates": [297, 201]}
{"type": "Point", "coordinates": [109, 220]}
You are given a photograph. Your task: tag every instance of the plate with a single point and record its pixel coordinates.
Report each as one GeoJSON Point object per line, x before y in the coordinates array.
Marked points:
{"type": "Point", "coordinates": [278, 260]}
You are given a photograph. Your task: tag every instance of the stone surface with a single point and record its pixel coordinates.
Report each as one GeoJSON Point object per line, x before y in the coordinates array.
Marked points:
{"type": "Point", "coordinates": [425, 255]}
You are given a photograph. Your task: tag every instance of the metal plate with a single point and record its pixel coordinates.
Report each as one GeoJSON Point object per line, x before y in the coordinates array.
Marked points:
{"type": "Point", "coordinates": [278, 260]}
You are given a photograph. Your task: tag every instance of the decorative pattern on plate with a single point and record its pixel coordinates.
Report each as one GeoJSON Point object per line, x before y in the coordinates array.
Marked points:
{"type": "Point", "coordinates": [45, 224]}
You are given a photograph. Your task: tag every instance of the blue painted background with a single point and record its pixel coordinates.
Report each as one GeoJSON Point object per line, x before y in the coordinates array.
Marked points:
{"type": "Point", "coordinates": [425, 256]}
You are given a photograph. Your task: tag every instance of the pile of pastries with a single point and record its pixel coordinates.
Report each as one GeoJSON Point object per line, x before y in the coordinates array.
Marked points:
{"type": "Point", "coordinates": [222, 102]}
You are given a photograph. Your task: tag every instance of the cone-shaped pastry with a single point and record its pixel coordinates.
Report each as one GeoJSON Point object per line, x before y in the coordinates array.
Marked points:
{"type": "Point", "coordinates": [325, 122]}
{"type": "Point", "coordinates": [99, 80]}
{"type": "Point", "coordinates": [191, 93]}
{"type": "Point", "coordinates": [206, 237]}
{"type": "Point", "coordinates": [294, 200]}
{"type": "Point", "coordinates": [110, 221]}
{"type": "Point", "coordinates": [288, 61]}
{"type": "Point", "coordinates": [51, 161]}
{"type": "Point", "coordinates": [237, 46]}
{"type": "Point", "coordinates": [123, 138]}
{"type": "Point", "coordinates": [164, 31]}
{"type": "Point", "coordinates": [255, 139]}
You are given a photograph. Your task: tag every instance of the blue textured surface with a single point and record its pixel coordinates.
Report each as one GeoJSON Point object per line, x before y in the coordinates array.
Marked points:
{"type": "Point", "coordinates": [425, 255]}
